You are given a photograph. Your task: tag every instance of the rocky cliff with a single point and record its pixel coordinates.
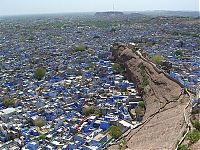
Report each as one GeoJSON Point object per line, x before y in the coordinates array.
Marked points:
{"type": "Point", "coordinates": [167, 105]}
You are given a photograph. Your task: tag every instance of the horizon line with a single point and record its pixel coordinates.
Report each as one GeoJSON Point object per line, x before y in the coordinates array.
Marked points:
{"type": "Point", "coordinates": [76, 12]}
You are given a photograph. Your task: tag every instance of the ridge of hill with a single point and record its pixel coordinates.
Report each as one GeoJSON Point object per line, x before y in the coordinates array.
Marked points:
{"type": "Point", "coordinates": [167, 103]}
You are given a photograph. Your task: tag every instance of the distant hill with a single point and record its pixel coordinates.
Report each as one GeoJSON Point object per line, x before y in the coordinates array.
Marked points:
{"type": "Point", "coordinates": [172, 13]}
{"type": "Point", "coordinates": [136, 15]}
{"type": "Point", "coordinates": [153, 13]}
{"type": "Point", "coordinates": [109, 14]}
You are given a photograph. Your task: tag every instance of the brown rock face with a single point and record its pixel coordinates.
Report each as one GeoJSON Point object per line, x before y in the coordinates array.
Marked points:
{"type": "Point", "coordinates": [167, 114]}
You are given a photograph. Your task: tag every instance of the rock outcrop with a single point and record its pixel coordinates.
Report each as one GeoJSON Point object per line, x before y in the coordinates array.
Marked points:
{"type": "Point", "coordinates": [167, 104]}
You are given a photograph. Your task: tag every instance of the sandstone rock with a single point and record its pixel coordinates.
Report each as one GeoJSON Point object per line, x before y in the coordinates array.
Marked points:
{"type": "Point", "coordinates": [164, 121]}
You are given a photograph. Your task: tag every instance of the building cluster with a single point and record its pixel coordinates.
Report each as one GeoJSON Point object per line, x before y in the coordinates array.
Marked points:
{"type": "Point", "coordinates": [55, 112]}
{"type": "Point", "coordinates": [177, 39]}
{"type": "Point", "coordinates": [81, 95]}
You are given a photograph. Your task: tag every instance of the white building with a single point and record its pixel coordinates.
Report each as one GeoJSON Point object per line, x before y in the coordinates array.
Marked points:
{"type": "Point", "coordinates": [6, 113]}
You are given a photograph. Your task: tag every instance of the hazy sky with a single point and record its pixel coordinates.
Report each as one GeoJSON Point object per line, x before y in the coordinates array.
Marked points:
{"type": "Point", "coordinates": [15, 7]}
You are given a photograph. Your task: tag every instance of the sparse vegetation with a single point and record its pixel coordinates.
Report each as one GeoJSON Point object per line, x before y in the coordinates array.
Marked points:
{"type": "Point", "coordinates": [42, 136]}
{"type": "Point", "coordinates": [91, 66]}
{"type": "Point", "coordinates": [118, 68]}
{"type": "Point", "coordinates": [9, 102]}
{"type": "Point", "coordinates": [196, 111]}
{"type": "Point", "coordinates": [142, 66]}
{"type": "Point", "coordinates": [158, 59]}
{"type": "Point", "coordinates": [98, 112]}
{"type": "Point", "coordinates": [183, 147]}
{"type": "Point", "coordinates": [80, 48]}
{"type": "Point", "coordinates": [124, 90]}
{"type": "Point", "coordinates": [96, 37]}
{"type": "Point", "coordinates": [145, 80]}
{"type": "Point", "coordinates": [139, 111]}
{"type": "Point", "coordinates": [122, 144]}
{"type": "Point", "coordinates": [176, 33]}
{"type": "Point", "coordinates": [89, 110]}
{"type": "Point", "coordinates": [196, 124]}
{"type": "Point", "coordinates": [40, 122]}
{"type": "Point", "coordinates": [178, 53]}
{"type": "Point", "coordinates": [115, 131]}
{"type": "Point", "coordinates": [40, 73]}
{"type": "Point", "coordinates": [193, 136]}
{"type": "Point", "coordinates": [150, 44]}
{"type": "Point", "coordinates": [141, 104]}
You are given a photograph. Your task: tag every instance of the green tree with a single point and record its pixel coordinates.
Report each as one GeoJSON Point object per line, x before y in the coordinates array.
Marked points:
{"type": "Point", "coordinates": [115, 131]}
{"type": "Point", "coordinates": [196, 124]}
{"type": "Point", "coordinates": [96, 36]}
{"type": "Point", "coordinates": [141, 104]}
{"type": "Point", "coordinates": [98, 112]}
{"type": "Point", "coordinates": [80, 48]}
{"type": "Point", "coordinates": [139, 111]}
{"type": "Point", "coordinates": [42, 136]}
{"type": "Point", "coordinates": [178, 53]}
{"type": "Point", "coordinates": [88, 110]}
{"type": "Point", "coordinates": [40, 73]}
{"type": "Point", "coordinates": [193, 136]}
{"type": "Point", "coordinates": [158, 59]}
{"type": "Point", "coordinates": [40, 122]}
{"type": "Point", "coordinates": [183, 147]}
{"type": "Point", "coordinates": [9, 102]}
{"type": "Point", "coordinates": [118, 68]}
{"type": "Point", "coordinates": [195, 111]}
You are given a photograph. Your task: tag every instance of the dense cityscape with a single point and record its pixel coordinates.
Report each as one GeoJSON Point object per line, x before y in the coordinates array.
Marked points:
{"type": "Point", "coordinates": [61, 88]}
